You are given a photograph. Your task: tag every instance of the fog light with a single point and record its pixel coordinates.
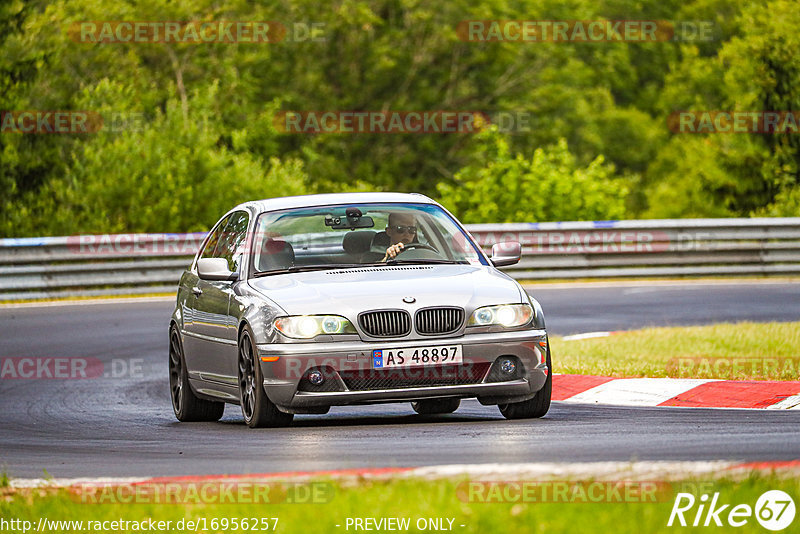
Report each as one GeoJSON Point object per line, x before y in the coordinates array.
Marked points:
{"type": "Point", "coordinates": [316, 378]}
{"type": "Point", "coordinates": [508, 366]}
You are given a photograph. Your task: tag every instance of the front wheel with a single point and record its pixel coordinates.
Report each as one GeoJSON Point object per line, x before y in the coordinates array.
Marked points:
{"type": "Point", "coordinates": [538, 405]}
{"type": "Point", "coordinates": [186, 405]}
{"type": "Point", "coordinates": [257, 409]}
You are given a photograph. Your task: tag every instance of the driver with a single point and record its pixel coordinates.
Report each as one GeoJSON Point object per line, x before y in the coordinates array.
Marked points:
{"type": "Point", "coordinates": [402, 230]}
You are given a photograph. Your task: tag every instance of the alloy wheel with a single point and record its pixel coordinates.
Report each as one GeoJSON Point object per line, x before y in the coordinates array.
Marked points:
{"type": "Point", "coordinates": [247, 378]}
{"type": "Point", "coordinates": [175, 371]}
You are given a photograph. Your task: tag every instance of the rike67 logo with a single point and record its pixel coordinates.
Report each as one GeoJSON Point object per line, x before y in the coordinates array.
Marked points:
{"type": "Point", "coordinates": [774, 510]}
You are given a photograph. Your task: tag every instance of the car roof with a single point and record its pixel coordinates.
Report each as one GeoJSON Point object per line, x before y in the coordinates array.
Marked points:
{"type": "Point", "coordinates": [303, 201]}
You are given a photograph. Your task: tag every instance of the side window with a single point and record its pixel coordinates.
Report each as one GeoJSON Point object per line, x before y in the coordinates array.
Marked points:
{"type": "Point", "coordinates": [231, 243]}
{"type": "Point", "coordinates": [211, 244]}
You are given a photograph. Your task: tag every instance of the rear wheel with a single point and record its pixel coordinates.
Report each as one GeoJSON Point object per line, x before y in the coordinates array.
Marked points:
{"type": "Point", "coordinates": [436, 406]}
{"type": "Point", "coordinates": [257, 409]}
{"type": "Point", "coordinates": [186, 405]}
{"type": "Point", "coordinates": [538, 405]}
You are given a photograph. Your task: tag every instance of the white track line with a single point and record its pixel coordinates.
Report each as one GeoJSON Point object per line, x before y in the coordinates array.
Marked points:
{"type": "Point", "coordinates": [593, 470]}
{"type": "Point", "coordinates": [789, 403]}
{"type": "Point", "coordinates": [660, 283]}
{"type": "Point", "coordinates": [66, 482]}
{"type": "Point", "coordinates": [669, 470]}
{"type": "Point", "coordinates": [587, 335]}
{"type": "Point", "coordinates": [78, 302]}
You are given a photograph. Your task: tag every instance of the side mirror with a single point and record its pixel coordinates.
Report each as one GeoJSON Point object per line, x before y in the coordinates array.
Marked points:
{"type": "Point", "coordinates": [507, 253]}
{"type": "Point", "coordinates": [215, 269]}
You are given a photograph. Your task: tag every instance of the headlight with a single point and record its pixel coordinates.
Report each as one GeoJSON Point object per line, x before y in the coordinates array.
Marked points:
{"type": "Point", "coordinates": [308, 326]}
{"type": "Point", "coordinates": [508, 315]}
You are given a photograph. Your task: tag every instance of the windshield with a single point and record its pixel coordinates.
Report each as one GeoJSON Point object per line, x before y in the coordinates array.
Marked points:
{"type": "Point", "coordinates": [330, 237]}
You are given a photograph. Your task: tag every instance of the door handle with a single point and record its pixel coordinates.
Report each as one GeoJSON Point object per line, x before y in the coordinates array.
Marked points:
{"type": "Point", "coordinates": [197, 291]}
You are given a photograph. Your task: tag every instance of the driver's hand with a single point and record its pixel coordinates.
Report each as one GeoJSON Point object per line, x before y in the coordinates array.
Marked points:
{"type": "Point", "coordinates": [393, 251]}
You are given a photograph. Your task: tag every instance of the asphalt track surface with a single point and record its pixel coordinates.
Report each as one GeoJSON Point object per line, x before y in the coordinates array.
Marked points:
{"type": "Point", "coordinates": [125, 427]}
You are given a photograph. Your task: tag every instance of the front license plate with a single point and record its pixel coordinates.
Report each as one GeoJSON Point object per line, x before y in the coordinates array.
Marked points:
{"type": "Point", "coordinates": [416, 356]}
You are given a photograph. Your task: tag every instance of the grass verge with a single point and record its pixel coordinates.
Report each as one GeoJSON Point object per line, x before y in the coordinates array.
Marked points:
{"type": "Point", "coordinates": [742, 351]}
{"type": "Point", "coordinates": [449, 501]}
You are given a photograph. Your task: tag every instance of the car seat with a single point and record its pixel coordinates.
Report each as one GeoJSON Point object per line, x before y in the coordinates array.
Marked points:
{"type": "Point", "coordinates": [357, 243]}
{"type": "Point", "coordinates": [275, 254]}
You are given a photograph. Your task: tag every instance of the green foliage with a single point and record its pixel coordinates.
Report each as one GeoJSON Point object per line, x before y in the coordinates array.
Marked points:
{"type": "Point", "coordinates": [548, 186]}
{"type": "Point", "coordinates": [207, 140]}
{"type": "Point", "coordinates": [786, 204]}
{"type": "Point", "coordinates": [695, 178]}
{"type": "Point", "coordinates": [488, 508]}
{"type": "Point", "coordinates": [171, 173]}
{"type": "Point", "coordinates": [701, 175]}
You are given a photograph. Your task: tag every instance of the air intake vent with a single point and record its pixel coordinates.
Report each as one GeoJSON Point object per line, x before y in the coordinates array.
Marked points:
{"type": "Point", "coordinates": [439, 320]}
{"type": "Point", "coordinates": [389, 323]}
{"type": "Point", "coordinates": [449, 375]}
{"type": "Point", "coordinates": [378, 269]}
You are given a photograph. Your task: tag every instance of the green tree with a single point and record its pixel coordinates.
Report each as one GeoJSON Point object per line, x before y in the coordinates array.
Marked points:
{"type": "Point", "coordinates": [547, 186]}
{"type": "Point", "coordinates": [169, 174]}
{"type": "Point", "coordinates": [717, 175]}
{"type": "Point", "coordinates": [610, 99]}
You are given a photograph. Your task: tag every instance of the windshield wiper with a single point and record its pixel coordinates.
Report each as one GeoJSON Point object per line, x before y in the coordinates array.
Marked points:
{"type": "Point", "coordinates": [423, 261]}
{"type": "Point", "coordinates": [306, 268]}
{"type": "Point", "coordinates": [331, 266]}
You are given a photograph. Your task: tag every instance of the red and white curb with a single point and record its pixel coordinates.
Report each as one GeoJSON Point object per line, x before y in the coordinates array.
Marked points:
{"type": "Point", "coordinates": [680, 392]}
{"type": "Point", "coordinates": [667, 470]}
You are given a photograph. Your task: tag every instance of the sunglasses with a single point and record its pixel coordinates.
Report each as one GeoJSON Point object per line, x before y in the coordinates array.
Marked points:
{"type": "Point", "coordinates": [404, 229]}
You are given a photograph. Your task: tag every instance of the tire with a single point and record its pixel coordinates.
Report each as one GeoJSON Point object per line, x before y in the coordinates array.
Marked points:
{"type": "Point", "coordinates": [257, 409]}
{"type": "Point", "coordinates": [186, 405]}
{"type": "Point", "coordinates": [538, 405]}
{"type": "Point", "coordinates": [436, 406]}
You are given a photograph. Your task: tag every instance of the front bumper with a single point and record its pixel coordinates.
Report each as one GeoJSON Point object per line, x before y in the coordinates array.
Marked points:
{"type": "Point", "coordinates": [287, 387]}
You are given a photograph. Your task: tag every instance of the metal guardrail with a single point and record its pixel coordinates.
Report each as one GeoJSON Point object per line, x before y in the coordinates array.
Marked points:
{"type": "Point", "coordinates": [86, 266]}
{"type": "Point", "coordinates": [651, 248]}
{"type": "Point", "coordinates": [35, 268]}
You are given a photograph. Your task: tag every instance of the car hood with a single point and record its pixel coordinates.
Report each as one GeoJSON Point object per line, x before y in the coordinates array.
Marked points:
{"type": "Point", "coordinates": [350, 291]}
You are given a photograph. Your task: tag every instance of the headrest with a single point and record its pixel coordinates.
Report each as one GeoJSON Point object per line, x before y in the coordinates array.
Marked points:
{"type": "Point", "coordinates": [357, 242]}
{"type": "Point", "coordinates": [275, 254]}
{"type": "Point", "coordinates": [381, 240]}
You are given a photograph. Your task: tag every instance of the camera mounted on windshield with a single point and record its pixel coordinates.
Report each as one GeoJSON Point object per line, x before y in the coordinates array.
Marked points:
{"type": "Point", "coordinates": [352, 219]}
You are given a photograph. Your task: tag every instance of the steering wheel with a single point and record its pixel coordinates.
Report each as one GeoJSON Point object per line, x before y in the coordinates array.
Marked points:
{"type": "Point", "coordinates": [417, 245]}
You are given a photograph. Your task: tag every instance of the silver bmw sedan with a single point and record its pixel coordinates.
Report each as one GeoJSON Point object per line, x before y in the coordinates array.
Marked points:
{"type": "Point", "coordinates": [293, 305]}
